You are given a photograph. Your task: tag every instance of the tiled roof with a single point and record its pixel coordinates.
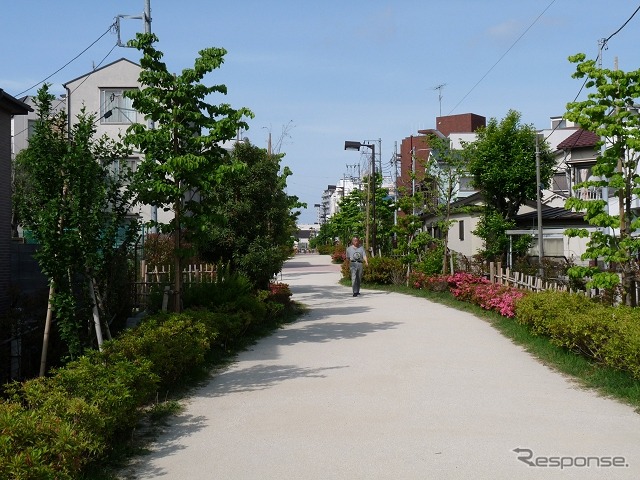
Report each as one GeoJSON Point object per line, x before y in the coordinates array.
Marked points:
{"type": "Point", "coordinates": [552, 213]}
{"type": "Point", "coordinates": [579, 139]}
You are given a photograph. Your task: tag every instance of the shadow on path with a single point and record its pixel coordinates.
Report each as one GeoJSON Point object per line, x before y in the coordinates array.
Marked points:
{"type": "Point", "coordinates": [259, 377]}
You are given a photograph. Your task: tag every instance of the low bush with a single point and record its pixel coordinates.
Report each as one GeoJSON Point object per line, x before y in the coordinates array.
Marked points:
{"type": "Point", "coordinates": [55, 426]}
{"type": "Point", "coordinates": [58, 426]}
{"type": "Point", "coordinates": [489, 296]}
{"type": "Point", "coordinates": [339, 254]}
{"type": "Point", "coordinates": [383, 271]}
{"type": "Point", "coordinates": [325, 249]}
{"type": "Point", "coordinates": [174, 344]}
{"type": "Point", "coordinates": [609, 335]}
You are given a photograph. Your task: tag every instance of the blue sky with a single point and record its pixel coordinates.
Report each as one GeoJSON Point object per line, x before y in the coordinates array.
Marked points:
{"type": "Point", "coordinates": [339, 69]}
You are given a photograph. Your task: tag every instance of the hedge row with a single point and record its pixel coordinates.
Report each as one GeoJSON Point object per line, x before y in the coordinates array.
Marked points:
{"type": "Point", "coordinates": [55, 426]}
{"type": "Point", "coordinates": [610, 335]}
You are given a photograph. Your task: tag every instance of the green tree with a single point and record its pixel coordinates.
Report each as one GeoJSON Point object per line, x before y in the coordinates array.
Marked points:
{"type": "Point", "coordinates": [502, 162]}
{"type": "Point", "coordinates": [184, 158]}
{"type": "Point", "coordinates": [74, 202]}
{"type": "Point", "coordinates": [610, 112]}
{"type": "Point", "coordinates": [445, 167]}
{"type": "Point", "coordinates": [252, 220]}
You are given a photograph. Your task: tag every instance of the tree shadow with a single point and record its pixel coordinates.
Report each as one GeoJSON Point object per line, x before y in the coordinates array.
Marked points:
{"type": "Point", "coordinates": [179, 426]}
{"type": "Point", "coordinates": [258, 377]}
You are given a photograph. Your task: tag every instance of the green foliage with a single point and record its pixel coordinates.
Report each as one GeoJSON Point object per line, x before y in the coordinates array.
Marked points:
{"type": "Point", "coordinates": [503, 163]}
{"type": "Point", "coordinates": [184, 158]}
{"type": "Point", "coordinates": [55, 426]}
{"type": "Point", "coordinates": [76, 205]}
{"type": "Point", "coordinates": [431, 260]}
{"type": "Point", "coordinates": [251, 220]}
{"type": "Point", "coordinates": [350, 220]}
{"type": "Point", "coordinates": [445, 169]}
{"type": "Point", "coordinates": [35, 445]}
{"type": "Point", "coordinates": [174, 344]}
{"type": "Point", "coordinates": [383, 271]}
{"type": "Point", "coordinates": [608, 112]}
{"type": "Point", "coordinates": [610, 335]}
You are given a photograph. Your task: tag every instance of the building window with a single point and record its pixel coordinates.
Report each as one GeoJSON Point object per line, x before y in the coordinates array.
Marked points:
{"type": "Point", "coordinates": [115, 108]}
{"type": "Point", "coordinates": [31, 128]}
{"type": "Point", "coordinates": [461, 230]}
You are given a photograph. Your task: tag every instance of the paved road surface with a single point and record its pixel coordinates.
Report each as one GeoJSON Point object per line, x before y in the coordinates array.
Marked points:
{"type": "Point", "coordinates": [385, 386]}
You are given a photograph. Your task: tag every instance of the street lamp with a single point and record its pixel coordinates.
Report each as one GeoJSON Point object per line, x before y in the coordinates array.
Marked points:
{"type": "Point", "coordinates": [370, 236]}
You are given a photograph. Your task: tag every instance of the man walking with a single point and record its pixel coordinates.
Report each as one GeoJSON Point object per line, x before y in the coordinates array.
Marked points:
{"type": "Point", "coordinates": [356, 255]}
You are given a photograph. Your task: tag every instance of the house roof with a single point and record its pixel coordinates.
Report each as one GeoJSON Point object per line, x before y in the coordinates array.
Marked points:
{"type": "Point", "coordinates": [551, 213]}
{"type": "Point", "coordinates": [579, 139]}
{"type": "Point", "coordinates": [101, 68]}
{"type": "Point", "coordinates": [13, 105]}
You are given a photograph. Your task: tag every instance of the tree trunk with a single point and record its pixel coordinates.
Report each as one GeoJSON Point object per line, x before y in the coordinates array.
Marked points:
{"type": "Point", "coordinates": [47, 330]}
{"type": "Point", "coordinates": [96, 314]}
{"type": "Point", "coordinates": [177, 281]}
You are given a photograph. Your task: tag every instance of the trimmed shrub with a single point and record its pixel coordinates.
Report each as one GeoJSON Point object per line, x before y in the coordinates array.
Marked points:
{"type": "Point", "coordinates": [52, 427]}
{"type": "Point", "coordinates": [35, 445]}
{"type": "Point", "coordinates": [383, 270]}
{"type": "Point", "coordinates": [339, 254]}
{"type": "Point", "coordinates": [174, 344]}
{"type": "Point", "coordinates": [609, 335]}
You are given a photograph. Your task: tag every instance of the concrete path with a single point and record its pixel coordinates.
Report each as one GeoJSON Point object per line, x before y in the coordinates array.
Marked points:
{"type": "Point", "coordinates": [386, 386]}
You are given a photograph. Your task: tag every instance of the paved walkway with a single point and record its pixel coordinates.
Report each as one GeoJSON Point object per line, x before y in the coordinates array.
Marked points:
{"type": "Point", "coordinates": [386, 386]}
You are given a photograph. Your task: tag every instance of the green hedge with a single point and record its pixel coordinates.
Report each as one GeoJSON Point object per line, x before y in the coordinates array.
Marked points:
{"type": "Point", "coordinates": [610, 335]}
{"type": "Point", "coordinates": [56, 426]}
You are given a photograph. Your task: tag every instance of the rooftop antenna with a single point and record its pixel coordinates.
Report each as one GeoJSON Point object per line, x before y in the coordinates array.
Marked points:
{"type": "Point", "coordinates": [439, 88]}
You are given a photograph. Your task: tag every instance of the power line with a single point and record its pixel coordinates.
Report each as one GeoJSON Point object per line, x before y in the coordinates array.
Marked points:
{"type": "Point", "coordinates": [503, 55]}
{"type": "Point", "coordinates": [69, 62]}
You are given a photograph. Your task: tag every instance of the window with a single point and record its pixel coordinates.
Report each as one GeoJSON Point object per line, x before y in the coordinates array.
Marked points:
{"type": "Point", "coordinates": [31, 128]}
{"type": "Point", "coordinates": [115, 108]}
{"type": "Point", "coordinates": [461, 230]}
{"type": "Point", "coordinates": [123, 168]}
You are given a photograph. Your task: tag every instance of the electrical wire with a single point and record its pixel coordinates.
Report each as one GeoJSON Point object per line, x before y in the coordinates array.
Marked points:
{"type": "Point", "coordinates": [503, 55]}
{"type": "Point", "coordinates": [70, 61]}
{"type": "Point", "coordinates": [78, 86]}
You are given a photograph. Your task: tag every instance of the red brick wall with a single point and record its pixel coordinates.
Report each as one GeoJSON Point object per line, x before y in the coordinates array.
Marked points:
{"type": "Point", "coordinates": [419, 142]}
{"type": "Point", "coordinates": [463, 123]}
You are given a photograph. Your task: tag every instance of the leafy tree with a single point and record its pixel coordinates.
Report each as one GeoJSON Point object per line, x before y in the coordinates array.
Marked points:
{"type": "Point", "coordinates": [183, 154]}
{"type": "Point", "coordinates": [251, 221]}
{"type": "Point", "coordinates": [609, 112]}
{"type": "Point", "coordinates": [73, 201]}
{"type": "Point", "coordinates": [349, 220]}
{"type": "Point", "coordinates": [502, 162]}
{"type": "Point", "coordinates": [445, 167]}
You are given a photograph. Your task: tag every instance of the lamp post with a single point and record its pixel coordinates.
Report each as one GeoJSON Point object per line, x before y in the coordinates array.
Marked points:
{"type": "Point", "coordinates": [370, 235]}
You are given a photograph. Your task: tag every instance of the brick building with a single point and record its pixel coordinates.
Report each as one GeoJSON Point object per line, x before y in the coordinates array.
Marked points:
{"type": "Point", "coordinates": [414, 150]}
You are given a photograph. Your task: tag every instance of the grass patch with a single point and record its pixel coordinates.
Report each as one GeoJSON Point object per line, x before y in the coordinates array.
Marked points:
{"type": "Point", "coordinates": [605, 380]}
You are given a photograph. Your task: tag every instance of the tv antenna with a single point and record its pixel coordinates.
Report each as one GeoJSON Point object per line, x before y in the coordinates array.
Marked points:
{"type": "Point", "coordinates": [439, 88]}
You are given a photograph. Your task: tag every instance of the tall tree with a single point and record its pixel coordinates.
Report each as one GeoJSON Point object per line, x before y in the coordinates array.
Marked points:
{"type": "Point", "coordinates": [502, 162]}
{"type": "Point", "coordinates": [610, 111]}
{"type": "Point", "coordinates": [74, 202]}
{"type": "Point", "coordinates": [251, 220]}
{"type": "Point", "coordinates": [445, 167]}
{"type": "Point", "coordinates": [183, 154]}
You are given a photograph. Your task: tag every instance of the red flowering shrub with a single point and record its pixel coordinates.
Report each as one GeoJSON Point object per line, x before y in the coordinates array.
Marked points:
{"type": "Point", "coordinates": [417, 279]}
{"type": "Point", "coordinates": [339, 254]}
{"type": "Point", "coordinates": [280, 293]}
{"type": "Point", "coordinates": [437, 283]}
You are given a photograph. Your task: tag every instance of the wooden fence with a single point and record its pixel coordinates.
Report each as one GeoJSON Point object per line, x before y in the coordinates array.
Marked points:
{"type": "Point", "coordinates": [530, 282]}
{"type": "Point", "coordinates": [157, 278]}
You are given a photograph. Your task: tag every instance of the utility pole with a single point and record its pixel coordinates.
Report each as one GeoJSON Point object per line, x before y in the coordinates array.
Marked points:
{"type": "Point", "coordinates": [539, 205]}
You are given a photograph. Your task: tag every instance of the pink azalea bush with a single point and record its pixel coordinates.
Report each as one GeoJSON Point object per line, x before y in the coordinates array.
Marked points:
{"type": "Point", "coordinates": [474, 289]}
